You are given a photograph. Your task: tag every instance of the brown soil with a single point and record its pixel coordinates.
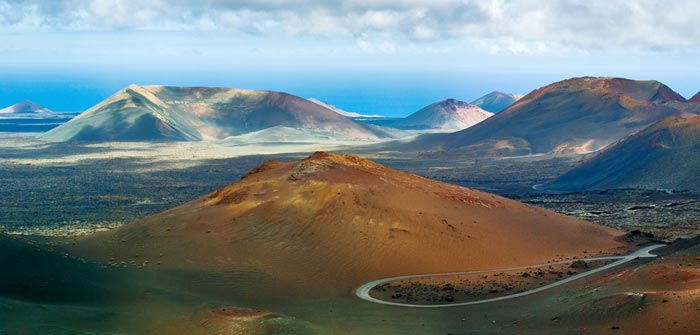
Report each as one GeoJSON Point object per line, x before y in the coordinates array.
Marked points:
{"type": "Point", "coordinates": [330, 222]}
{"type": "Point", "coordinates": [666, 293]}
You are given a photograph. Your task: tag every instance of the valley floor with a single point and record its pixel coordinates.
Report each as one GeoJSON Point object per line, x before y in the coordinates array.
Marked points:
{"type": "Point", "coordinates": [44, 192]}
{"type": "Point", "coordinates": [44, 188]}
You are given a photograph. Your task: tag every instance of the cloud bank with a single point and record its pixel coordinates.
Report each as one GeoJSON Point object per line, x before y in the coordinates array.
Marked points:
{"type": "Point", "coordinates": [516, 26]}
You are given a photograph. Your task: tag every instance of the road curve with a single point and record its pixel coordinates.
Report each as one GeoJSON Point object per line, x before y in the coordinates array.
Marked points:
{"type": "Point", "coordinates": [363, 292]}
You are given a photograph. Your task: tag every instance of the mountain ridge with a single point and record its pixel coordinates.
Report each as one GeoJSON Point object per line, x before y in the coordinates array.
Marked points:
{"type": "Point", "coordinates": [577, 115]}
{"type": "Point", "coordinates": [695, 98]}
{"type": "Point", "coordinates": [496, 101]}
{"type": "Point", "coordinates": [343, 112]}
{"type": "Point", "coordinates": [172, 113]}
{"type": "Point", "coordinates": [449, 114]}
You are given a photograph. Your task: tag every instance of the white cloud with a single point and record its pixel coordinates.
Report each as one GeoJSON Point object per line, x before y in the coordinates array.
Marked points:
{"type": "Point", "coordinates": [501, 26]}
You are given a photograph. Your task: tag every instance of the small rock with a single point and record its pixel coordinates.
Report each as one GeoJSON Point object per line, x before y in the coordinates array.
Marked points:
{"type": "Point", "coordinates": [579, 264]}
{"type": "Point", "coordinates": [448, 287]}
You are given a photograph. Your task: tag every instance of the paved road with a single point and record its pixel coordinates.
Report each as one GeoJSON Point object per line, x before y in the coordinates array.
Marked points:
{"type": "Point", "coordinates": [363, 292]}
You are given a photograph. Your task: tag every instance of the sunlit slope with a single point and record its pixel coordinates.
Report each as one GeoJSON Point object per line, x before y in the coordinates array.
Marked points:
{"type": "Point", "coordinates": [331, 222]}
{"type": "Point", "coordinates": [578, 115]}
{"type": "Point", "coordinates": [496, 102]}
{"type": "Point", "coordinates": [161, 113]}
{"type": "Point", "coordinates": [449, 114]}
{"type": "Point", "coordinates": [26, 108]}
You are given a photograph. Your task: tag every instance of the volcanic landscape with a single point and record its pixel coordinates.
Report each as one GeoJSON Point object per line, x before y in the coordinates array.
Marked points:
{"type": "Point", "coordinates": [198, 210]}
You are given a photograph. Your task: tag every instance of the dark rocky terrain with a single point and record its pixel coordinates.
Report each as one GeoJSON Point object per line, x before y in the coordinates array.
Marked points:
{"type": "Point", "coordinates": [666, 155]}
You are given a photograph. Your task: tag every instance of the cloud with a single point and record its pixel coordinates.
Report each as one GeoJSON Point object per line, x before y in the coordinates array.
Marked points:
{"type": "Point", "coordinates": [515, 26]}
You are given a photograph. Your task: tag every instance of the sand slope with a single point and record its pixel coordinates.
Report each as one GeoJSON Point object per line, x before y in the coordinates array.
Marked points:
{"type": "Point", "coordinates": [331, 222]}
{"type": "Point", "coordinates": [345, 113]}
{"type": "Point", "coordinates": [161, 113]}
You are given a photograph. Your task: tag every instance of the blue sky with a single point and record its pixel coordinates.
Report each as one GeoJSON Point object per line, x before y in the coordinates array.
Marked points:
{"type": "Point", "coordinates": [387, 57]}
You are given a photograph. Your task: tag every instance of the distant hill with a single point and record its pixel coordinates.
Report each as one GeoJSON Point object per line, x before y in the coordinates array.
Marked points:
{"type": "Point", "coordinates": [449, 114]}
{"type": "Point", "coordinates": [696, 98]}
{"type": "Point", "coordinates": [329, 223]}
{"type": "Point", "coordinates": [162, 113]}
{"type": "Point", "coordinates": [26, 108]}
{"type": "Point", "coordinates": [343, 112]}
{"type": "Point", "coordinates": [496, 102]}
{"type": "Point", "coordinates": [665, 155]}
{"type": "Point", "coordinates": [578, 115]}
{"type": "Point", "coordinates": [28, 117]}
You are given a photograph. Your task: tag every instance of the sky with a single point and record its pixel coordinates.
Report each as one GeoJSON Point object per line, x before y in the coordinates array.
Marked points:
{"type": "Point", "coordinates": [379, 57]}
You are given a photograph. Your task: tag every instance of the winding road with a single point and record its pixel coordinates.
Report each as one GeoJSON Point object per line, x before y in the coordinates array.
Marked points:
{"type": "Point", "coordinates": [363, 292]}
